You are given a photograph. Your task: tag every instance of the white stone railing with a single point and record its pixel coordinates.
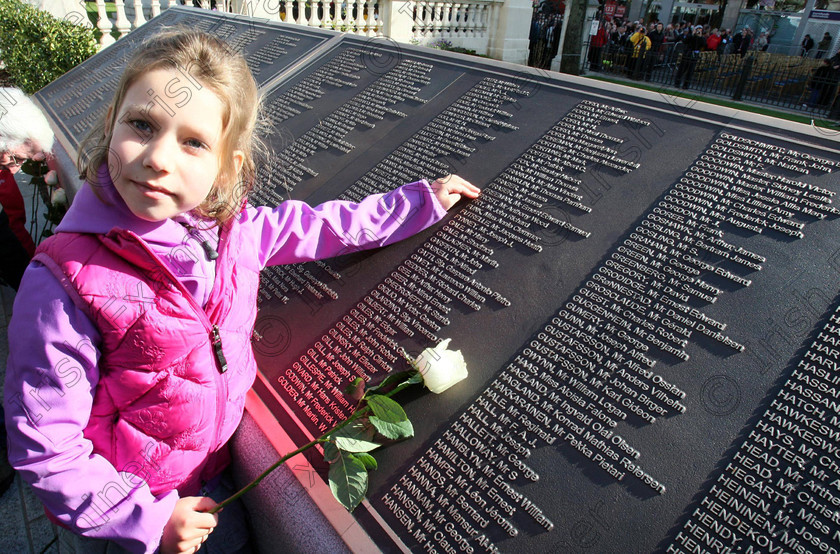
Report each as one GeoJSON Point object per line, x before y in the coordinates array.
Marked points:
{"type": "Point", "coordinates": [451, 20]}
{"type": "Point", "coordinates": [467, 24]}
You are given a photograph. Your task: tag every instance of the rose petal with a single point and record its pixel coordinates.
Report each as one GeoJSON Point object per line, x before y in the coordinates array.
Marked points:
{"type": "Point", "coordinates": [58, 197]}
{"type": "Point", "coordinates": [51, 177]}
{"type": "Point", "coordinates": [441, 368]}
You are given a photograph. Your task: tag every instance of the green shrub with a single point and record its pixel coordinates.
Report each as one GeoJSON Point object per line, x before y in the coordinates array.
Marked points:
{"type": "Point", "coordinates": [37, 48]}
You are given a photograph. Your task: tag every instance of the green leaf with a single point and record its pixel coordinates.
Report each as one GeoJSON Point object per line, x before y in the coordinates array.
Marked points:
{"type": "Point", "coordinates": [356, 437]}
{"type": "Point", "coordinates": [368, 460]}
{"type": "Point", "coordinates": [393, 430]}
{"type": "Point", "coordinates": [397, 379]}
{"type": "Point", "coordinates": [348, 480]}
{"type": "Point", "coordinates": [331, 452]}
{"type": "Point", "coordinates": [386, 409]}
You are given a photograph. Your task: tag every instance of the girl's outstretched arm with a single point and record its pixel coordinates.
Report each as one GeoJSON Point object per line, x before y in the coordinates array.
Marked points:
{"type": "Point", "coordinates": [296, 232]}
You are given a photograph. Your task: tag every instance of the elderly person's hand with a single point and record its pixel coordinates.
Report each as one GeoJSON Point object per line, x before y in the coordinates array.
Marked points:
{"type": "Point", "coordinates": [12, 159]}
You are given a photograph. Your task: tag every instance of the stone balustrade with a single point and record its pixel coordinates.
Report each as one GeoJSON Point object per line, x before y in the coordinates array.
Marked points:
{"type": "Point", "coordinates": [467, 24]}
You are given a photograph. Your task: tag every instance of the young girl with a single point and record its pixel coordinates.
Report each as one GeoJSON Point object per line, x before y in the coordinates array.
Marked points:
{"type": "Point", "coordinates": [130, 351]}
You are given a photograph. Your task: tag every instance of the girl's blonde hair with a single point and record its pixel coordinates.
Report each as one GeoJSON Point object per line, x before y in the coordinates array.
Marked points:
{"type": "Point", "coordinates": [204, 60]}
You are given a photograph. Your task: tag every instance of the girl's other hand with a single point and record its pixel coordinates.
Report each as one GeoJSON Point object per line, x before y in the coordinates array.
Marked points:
{"type": "Point", "coordinates": [189, 525]}
{"type": "Point", "coordinates": [449, 190]}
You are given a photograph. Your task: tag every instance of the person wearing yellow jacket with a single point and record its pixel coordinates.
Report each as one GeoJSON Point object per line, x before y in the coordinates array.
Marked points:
{"type": "Point", "coordinates": [640, 44]}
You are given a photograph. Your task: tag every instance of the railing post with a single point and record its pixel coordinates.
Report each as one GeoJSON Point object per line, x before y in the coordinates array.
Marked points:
{"type": "Point", "coordinates": [327, 22]}
{"type": "Point", "coordinates": [372, 21]}
{"type": "Point", "coordinates": [469, 20]}
{"type": "Point", "coordinates": [742, 80]}
{"type": "Point", "coordinates": [486, 12]}
{"type": "Point", "coordinates": [427, 19]}
{"type": "Point", "coordinates": [301, 18]}
{"type": "Point", "coordinates": [360, 17]}
{"type": "Point", "coordinates": [122, 24]}
{"type": "Point", "coordinates": [314, 21]}
{"type": "Point", "coordinates": [446, 20]}
{"type": "Point", "coordinates": [139, 18]}
{"type": "Point", "coordinates": [104, 25]}
{"type": "Point", "coordinates": [437, 19]}
{"type": "Point", "coordinates": [457, 28]}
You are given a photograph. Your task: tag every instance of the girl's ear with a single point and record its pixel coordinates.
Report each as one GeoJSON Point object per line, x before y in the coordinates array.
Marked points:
{"type": "Point", "coordinates": [108, 120]}
{"type": "Point", "coordinates": [238, 160]}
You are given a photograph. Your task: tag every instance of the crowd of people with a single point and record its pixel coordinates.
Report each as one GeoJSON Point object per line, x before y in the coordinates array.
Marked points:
{"type": "Point", "coordinates": [637, 40]}
{"type": "Point", "coordinates": [544, 39]}
{"type": "Point", "coordinates": [642, 47]}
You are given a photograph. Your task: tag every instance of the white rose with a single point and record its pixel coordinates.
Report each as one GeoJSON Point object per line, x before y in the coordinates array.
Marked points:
{"type": "Point", "coordinates": [441, 368]}
{"type": "Point", "coordinates": [58, 197]}
{"type": "Point", "coordinates": [51, 178]}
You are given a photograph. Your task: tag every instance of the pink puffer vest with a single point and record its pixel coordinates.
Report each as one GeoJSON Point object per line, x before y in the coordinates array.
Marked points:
{"type": "Point", "coordinates": [165, 405]}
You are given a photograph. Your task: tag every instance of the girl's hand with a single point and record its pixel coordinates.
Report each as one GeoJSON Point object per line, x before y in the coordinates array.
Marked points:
{"type": "Point", "coordinates": [449, 190]}
{"type": "Point", "coordinates": [189, 525]}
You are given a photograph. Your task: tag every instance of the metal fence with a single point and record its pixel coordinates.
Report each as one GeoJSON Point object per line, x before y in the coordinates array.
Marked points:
{"type": "Point", "coordinates": [803, 84]}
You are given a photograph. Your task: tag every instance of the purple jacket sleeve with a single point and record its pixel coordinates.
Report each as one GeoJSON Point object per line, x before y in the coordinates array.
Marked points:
{"type": "Point", "coordinates": [295, 232]}
{"type": "Point", "coordinates": [50, 378]}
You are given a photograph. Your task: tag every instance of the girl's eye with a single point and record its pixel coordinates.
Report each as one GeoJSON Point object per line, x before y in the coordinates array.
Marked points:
{"type": "Point", "coordinates": [195, 143]}
{"type": "Point", "coordinates": [141, 125]}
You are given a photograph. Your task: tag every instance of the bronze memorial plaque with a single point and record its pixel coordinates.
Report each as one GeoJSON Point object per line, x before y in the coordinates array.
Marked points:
{"type": "Point", "coordinates": [646, 295]}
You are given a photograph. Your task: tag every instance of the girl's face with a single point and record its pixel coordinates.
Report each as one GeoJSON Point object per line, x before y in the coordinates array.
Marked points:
{"type": "Point", "coordinates": [166, 145]}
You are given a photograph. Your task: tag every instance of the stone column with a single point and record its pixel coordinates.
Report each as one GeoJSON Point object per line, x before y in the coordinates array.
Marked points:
{"type": "Point", "coordinates": [634, 10]}
{"type": "Point", "coordinates": [509, 39]}
{"type": "Point", "coordinates": [665, 9]}
{"type": "Point", "coordinates": [397, 19]}
{"type": "Point", "coordinates": [730, 14]}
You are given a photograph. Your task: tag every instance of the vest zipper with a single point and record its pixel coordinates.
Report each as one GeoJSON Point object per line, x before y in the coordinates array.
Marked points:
{"type": "Point", "coordinates": [216, 339]}
{"type": "Point", "coordinates": [221, 381]}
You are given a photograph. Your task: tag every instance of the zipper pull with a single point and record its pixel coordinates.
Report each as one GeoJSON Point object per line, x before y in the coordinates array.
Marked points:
{"type": "Point", "coordinates": [216, 339]}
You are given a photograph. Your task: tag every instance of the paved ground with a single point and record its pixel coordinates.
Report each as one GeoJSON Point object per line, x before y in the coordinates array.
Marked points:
{"type": "Point", "coordinates": [23, 526]}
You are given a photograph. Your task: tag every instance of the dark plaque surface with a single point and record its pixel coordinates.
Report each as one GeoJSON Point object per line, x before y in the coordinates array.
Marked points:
{"type": "Point", "coordinates": [645, 294]}
{"type": "Point", "coordinates": [75, 101]}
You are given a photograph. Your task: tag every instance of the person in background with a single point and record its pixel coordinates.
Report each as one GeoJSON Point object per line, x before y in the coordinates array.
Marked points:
{"type": "Point", "coordinates": [745, 42]}
{"type": "Point", "coordinates": [762, 43]}
{"type": "Point", "coordinates": [823, 83]}
{"type": "Point", "coordinates": [824, 45]}
{"type": "Point", "coordinates": [640, 44]}
{"type": "Point", "coordinates": [691, 53]}
{"type": "Point", "coordinates": [807, 45]}
{"type": "Point", "coordinates": [713, 40]}
{"type": "Point", "coordinates": [24, 134]}
{"type": "Point", "coordinates": [736, 40]}
{"type": "Point", "coordinates": [834, 108]}
{"type": "Point", "coordinates": [596, 47]}
{"type": "Point", "coordinates": [657, 39]}
{"type": "Point", "coordinates": [670, 34]}
{"type": "Point", "coordinates": [724, 47]}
